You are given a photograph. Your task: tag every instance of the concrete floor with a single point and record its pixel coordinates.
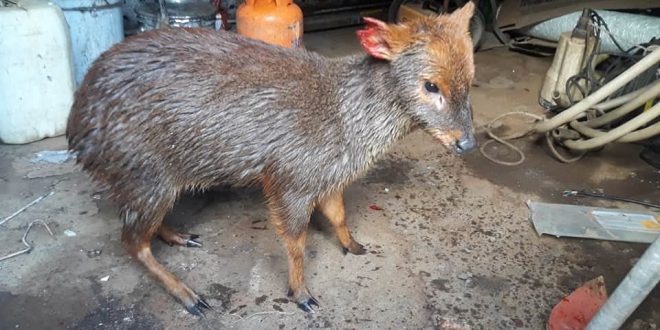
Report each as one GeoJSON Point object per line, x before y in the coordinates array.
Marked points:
{"type": "Point", "coordinates": [452, 247]}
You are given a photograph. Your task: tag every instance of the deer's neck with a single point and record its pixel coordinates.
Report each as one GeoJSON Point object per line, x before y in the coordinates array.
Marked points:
{"type": "Point", "coordinates": [373, 114]}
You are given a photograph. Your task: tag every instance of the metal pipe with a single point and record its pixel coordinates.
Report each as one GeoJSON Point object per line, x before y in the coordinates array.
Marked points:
{"type": "Point", "coordinates": [634, 288]}
{"type": "Point", "coordinates": [603, 92]}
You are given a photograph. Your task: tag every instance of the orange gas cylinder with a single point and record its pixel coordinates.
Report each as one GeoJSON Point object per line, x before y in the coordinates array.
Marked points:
{"type": "Point", "coordinates": [278, 22]}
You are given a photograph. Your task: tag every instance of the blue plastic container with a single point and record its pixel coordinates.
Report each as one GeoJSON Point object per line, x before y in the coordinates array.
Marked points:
{"type": "Point", "coordinates": [94, 26]}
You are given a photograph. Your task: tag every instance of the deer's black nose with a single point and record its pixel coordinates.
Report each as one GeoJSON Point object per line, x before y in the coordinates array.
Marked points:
{"type": "Point", "coordinates": [465, 144]}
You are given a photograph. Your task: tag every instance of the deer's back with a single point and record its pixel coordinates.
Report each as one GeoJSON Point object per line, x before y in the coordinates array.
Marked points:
{"type": "Point", "coordinates": [198, 107]}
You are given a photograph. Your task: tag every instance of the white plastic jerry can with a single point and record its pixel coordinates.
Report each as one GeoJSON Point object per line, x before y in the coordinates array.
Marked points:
{"type": "Point", "coordinates": [36, 72]}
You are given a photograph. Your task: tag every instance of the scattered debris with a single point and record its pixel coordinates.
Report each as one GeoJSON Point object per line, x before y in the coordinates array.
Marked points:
{"type": "Point", "coordinates": [449, 324]}
{"type": "Point", "coordinates": [94, 253]}
{"type": "Point", "coordinates": [518, 323]}
{"type": "Point", "coordinates": [98, 195]}
{"type": "Point", "coordinates": [596, 223]}
{"type": "Point", "coordinates": [259, 314]}
{"type": "Point", "coordinates": [42, 173]}
{"type": "Point", "coordinates": [105, 278]}
{"type": "Point", "coordinates": [53, 157]}
{"type": "Point", "coordinates": [375, 207]}
{"type": "Point", "coordinates": [70, 233]}
{"type": "Point", "coordinates": [24, 239]}
{"type": "Point", "coordinates": [577, 309]}
{"type": "Point", "coordinates": [465, 276]}
{"type": "Point", "coordinates": [260, 300]}
{"type": "Point", "coordinates": [187, 267]}
{"type": "Point", "coordinates": [26, 207]}
{"type": "Point", "coordinates": [262, 227]}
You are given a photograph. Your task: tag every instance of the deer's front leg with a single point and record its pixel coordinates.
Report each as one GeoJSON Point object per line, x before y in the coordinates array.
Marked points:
{"type": "Point", "coordinates": [333, 209]}
{"type": "Point", "coordinates": [290, 214]}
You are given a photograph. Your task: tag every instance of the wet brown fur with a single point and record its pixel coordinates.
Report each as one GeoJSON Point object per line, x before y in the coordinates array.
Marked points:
{"type": "Point", "coordinates": [303, 133]}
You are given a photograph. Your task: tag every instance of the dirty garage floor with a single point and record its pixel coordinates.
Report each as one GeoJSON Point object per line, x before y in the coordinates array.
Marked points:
{"type": "Point", "coordinates": [452, 247]}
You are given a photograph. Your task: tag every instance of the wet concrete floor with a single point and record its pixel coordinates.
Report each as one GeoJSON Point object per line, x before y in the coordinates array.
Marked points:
{"type": "Point", "coordinates": [452, 248]}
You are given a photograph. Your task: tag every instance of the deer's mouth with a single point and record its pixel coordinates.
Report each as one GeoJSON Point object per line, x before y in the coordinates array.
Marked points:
{"type": "Point", "coordinates": [455, 140]}
{"type": "Point", "coordinates": [448, 138]}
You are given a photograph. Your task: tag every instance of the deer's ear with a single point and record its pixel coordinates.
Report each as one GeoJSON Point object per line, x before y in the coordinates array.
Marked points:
{"type": "Point", "coordinates": [463, 16]}
{"type": "Point", "coordinates": [374, 39]}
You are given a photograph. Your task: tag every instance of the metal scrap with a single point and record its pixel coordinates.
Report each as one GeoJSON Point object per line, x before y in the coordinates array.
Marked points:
{"type": "Point", "coordinates": [582, 193]}
{"type": "Point", "coordinates": [25, 207]}
{"type": "Point", "coordinates": [562, 220]}
{"type": "Point", "coordinates": [24, 239]}
{"type": "Point", "coordinates": [53, 157]}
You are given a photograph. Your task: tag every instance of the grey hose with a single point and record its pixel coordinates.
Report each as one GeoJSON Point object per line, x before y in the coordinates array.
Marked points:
{"type": "Point", "coordinates": [603, 92]}
{"type": "Point", "coordinates": [621, 100]}
{"type": "Point", "coordinates": [616, 133]}
{"type": "Point", "coordinates": [635, 136]}
{"type": "Point", "coordinates": [597, 138]}
{"type": "Point", "coordinates": [648, 94]}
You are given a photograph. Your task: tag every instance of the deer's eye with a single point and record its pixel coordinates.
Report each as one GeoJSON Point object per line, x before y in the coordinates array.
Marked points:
{"type": "Point", "coordinates": [431, 87]}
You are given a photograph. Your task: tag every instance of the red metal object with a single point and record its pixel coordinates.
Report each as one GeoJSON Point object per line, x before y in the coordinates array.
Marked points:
{"type": "Point", "coordinates": [576, 310]}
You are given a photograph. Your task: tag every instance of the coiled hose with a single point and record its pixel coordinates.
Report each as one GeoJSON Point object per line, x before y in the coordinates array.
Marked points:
{"type": "Point", "coordinates": [564, 128]}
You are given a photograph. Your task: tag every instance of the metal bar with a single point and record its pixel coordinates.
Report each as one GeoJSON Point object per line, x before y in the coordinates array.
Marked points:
{"type": "Point", "coordinates": [25, 207]}
{"type": "Point", "coordinates": [634, 288]}
{"type": "Point", "coordinates": [28, 247]}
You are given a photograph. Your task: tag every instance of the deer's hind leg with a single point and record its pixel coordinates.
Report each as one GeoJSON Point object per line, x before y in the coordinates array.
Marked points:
{"type": "Point", "coordinates": [172, 237]}
{"type": "Point", "coordinates": [141, 223]}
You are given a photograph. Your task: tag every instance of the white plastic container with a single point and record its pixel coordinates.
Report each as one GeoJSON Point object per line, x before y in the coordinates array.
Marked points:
{"type": "Point", "coordinates": [94, 26]}
{"type": "Point", "coordinates": [36, 72]}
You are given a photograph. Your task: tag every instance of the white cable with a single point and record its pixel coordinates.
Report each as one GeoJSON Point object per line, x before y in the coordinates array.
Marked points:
{"type": "Point", "coordinates": [611, 87]}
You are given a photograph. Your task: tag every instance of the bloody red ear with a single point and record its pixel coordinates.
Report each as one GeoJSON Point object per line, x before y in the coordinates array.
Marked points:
{"type": "Point", "coordinates": [373, 39]}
